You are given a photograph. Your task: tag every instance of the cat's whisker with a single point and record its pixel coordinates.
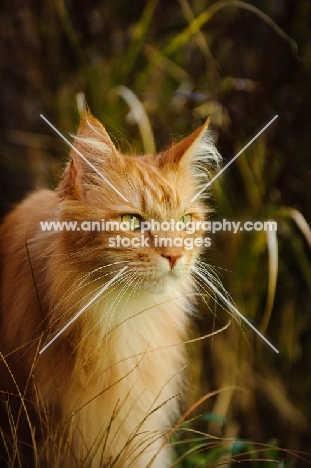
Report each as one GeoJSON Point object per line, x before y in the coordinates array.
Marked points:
{"type": "Point", "coordinates": [194, 280]}
{"type": "Point", "coordinates": [212, 293]}
{"type": "Point", "coordinates": [82, 310]}
{"type": "Point", "coordinates": [52, 311]}
{"type": "Point", "coordinates": [210, 271]}
{"type": "Point", "coordinates": [81, 299]}
{"type": "Point", "coordinates": [124, 288]}
{"type": "Point", "coordinates": [119, 281]}
{"type": "Point", "coordinates": [35, 340]}
{"type": "Point", "coordinates": [213, 268]}
{"type": "Point", "coordinates": [219, 286]}
{"type": "Point", "coordinates": [95, 299]}
{"type": "Point", "coordinates": [122, 292]}
{"type": "Point", "coordinates": [82, 286]}
{"type": "Point", "coordinates": [65, 295]}
{"type": "Point", "coordinates": [86, 276]}
{"type": "Point", "coordinates": [235, 310]}
{"type": "Point", "coordinates": [137, 280]}
{"type": "Point", "coordinates": [134, 290]}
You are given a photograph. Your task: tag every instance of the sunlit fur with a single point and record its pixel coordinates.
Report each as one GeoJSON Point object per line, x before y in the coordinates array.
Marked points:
{"type": "Point", "coordinates": [109, 387]}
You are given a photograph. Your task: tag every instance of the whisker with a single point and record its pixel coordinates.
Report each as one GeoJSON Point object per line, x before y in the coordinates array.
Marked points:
{"type": "Point", "coordinates": [119, 281]}
{"type": "Point", "coordinates": [82, 310]}
{"type": "Point", "coordinates": [137, 282]}
{"type": "Point", "coordinates": [119, 296]}
{"type": "Point", "coordinates": [95, 299]}
{"type": "Point", "coordinates": [209, 272]}
{"type": "Point", "coordinates": [90, 293]}
{"type": "Point", "coordinates": [212, 274]}
{"type": "Point", "coordinates": [80, 280]}
{"type": "Point", "coordinates": [65, 296]}
{"type": "Point", "coordinates": [235, 310]}
{"type": "Point", "coordinates": [213, 295]}
{"type": "Point", "coordinates": [35, 340]}
{"type": "Point", "coordinates": [194, 280]}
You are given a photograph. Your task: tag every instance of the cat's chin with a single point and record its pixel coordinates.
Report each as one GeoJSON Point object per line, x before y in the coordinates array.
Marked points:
{"type": "Point", "coordinates": [161, 284]}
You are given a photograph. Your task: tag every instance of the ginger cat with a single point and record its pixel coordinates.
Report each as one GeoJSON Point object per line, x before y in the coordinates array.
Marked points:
{"type": "Point", "coordinates": [108, 389]}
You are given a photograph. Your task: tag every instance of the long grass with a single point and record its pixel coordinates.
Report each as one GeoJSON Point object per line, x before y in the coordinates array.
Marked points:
{"type": "Point", "coordinates": [183, 62]}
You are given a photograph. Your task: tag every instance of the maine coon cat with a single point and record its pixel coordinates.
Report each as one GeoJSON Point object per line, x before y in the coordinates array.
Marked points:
{"type": "Point", "coordinates": [107, 390]}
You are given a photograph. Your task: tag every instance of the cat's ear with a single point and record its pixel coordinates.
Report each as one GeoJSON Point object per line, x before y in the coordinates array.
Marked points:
{"type": "Point", "coordinates": [196, 152]}
{"type": "Point", "coordinates": [93, 153]}
{"type": "Point", "coordinates": [93, 148]}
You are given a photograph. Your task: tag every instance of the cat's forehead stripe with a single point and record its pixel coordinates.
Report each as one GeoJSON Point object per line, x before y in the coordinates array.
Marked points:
{"type": "Point", "coordinates": [157, 192]}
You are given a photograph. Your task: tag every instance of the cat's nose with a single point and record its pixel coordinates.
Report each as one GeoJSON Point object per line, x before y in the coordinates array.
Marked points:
{"type": "Point", "coordinates": [172, 259]}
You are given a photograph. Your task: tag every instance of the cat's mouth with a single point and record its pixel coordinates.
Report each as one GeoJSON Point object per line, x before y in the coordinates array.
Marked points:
{"type": "Point", "coordinates": [160, 281]}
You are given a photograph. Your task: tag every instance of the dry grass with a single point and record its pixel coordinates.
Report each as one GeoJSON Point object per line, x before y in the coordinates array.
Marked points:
{"type": "Point", "coordinates": [184, 62]}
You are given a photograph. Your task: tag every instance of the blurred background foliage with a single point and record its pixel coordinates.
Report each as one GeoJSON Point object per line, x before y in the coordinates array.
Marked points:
{"type": "Point", "coordinates": [241, 63]}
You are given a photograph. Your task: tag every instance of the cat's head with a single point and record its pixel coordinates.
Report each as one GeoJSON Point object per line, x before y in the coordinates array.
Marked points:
{"type": "Point", "coordinates": [101, 185]}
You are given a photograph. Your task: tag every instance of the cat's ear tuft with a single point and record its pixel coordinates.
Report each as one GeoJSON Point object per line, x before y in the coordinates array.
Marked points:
{"type": "Point", "coordinates": [195, 152]}
{"type": "Point", "coordinates": [93, 142]}
{"type": "Point", "coordinates": [93, 152]}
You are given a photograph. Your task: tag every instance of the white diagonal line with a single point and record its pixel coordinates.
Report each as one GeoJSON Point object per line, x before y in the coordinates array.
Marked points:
{"type": "Point", "coordinates": [83, 157]}
{"type": "Point", "coordinates": [83, 309]}
{"type": "Point", "coordinates": [234, 309]}
{"type": "Point", "coordinates": [233, 159]}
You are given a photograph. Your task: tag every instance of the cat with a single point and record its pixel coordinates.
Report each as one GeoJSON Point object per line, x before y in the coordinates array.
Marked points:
{"type": "Point", "coordinates": [107, 390]}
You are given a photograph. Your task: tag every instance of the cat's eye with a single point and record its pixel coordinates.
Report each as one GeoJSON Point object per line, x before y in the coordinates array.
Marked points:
{"type": "Point", "coordinates": [186, 219]}
{"type": "Point", "coordinates": [133, 221]}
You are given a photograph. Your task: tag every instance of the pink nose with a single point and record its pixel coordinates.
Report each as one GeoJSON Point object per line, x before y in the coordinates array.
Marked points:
{"type": "Point", "coordinates": [172, 259]}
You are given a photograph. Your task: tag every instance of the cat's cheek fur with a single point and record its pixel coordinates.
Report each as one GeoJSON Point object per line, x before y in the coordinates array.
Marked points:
{"type": "Point", "coordinates": [108, 389]}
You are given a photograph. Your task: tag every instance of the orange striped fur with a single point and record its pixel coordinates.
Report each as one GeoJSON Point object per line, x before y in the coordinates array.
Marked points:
{"type": "Point", "coordinates": [109, 388]}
